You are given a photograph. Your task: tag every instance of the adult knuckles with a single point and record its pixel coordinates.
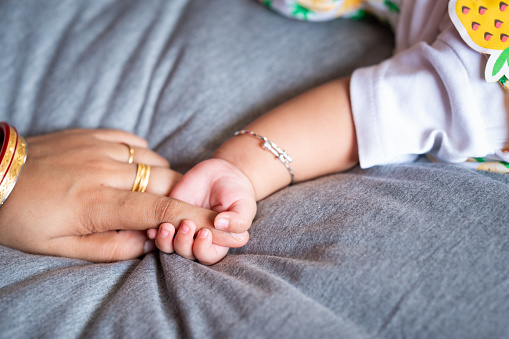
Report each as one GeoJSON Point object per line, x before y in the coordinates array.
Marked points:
{"type": "Point", "coordinates": [91, 219]}
{"type": "Point", "coordinates": [100, 209]}
{"type": "Point", "coordinates": [100, 165]}
{"type": "Point", "coordinates": [167, 209]}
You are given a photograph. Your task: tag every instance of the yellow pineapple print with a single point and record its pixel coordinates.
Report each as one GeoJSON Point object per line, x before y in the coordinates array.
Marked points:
{"type": "Point", "coordinates": [484, 25]}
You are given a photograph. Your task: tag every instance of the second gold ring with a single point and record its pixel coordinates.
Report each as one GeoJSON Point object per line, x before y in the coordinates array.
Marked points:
{"type": "Point", "coordinates": [131, 154]}
{"type": "Point", "coordinates": [141, 180]}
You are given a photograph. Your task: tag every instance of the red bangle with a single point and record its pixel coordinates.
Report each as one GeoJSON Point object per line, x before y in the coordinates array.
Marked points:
{"type": "Point", "coordinates": [4, 135]}
{"type": "Point", "coordinates": [12, 158]}
{"type": "Point", "coordinates": [10, 140]}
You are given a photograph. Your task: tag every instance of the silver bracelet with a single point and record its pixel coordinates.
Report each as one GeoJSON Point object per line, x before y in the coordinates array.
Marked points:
{"type": "Point", "coordinates": [273, 148]}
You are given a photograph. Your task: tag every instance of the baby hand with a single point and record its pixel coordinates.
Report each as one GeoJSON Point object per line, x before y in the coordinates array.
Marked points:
{"type": "Point", "coordinates": [217, 185]}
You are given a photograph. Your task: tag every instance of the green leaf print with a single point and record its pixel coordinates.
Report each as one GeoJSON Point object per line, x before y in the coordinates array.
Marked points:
{"type": "Point", "coordinates": [501, 61]}
{"type": "Point", "coordinates": [360, 15]}
{"type": "Point", "coordinates": [300, 11]}
{"type": "Point", "coordinates": [503, 80]}
{"type": "Point", "coordinates": [391, 6]}
{"type": "Point", "coordinates": [267, 3]}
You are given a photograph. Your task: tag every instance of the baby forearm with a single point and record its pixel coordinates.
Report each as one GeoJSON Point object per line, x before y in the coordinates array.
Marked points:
{"type": "Point", "coordinates": [316, 129]}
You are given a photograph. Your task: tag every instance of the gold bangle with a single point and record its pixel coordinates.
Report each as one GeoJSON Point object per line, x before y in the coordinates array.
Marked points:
{"type": "Point", "coordinates": [12, 175]}
{"type": "Point", "coordinates": [10, 139]}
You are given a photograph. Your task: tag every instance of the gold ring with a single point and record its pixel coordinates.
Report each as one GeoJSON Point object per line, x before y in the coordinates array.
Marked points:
{"type": "Point", "coordinates": [141, 180]}
{"type": "Point", "coordinates": [131, 154]}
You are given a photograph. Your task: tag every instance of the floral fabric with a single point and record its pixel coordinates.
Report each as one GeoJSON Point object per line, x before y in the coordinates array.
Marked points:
{"type": "Point", "coordinates": [321, 10]}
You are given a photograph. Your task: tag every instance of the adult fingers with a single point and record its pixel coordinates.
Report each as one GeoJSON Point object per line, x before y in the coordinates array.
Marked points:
{"type": "Point", "coordinates": [103, 247]}
{"type": "Point", "coordinates": [125, 153]}
{"type": "Point", "coordinates": [89, 144]}
{"type": "Point", "coordinates": [238, 218]}
{"type": "Point", "coordinates": [118, 136]}
{"type": "Point", "coordinates": [111, 209]}
{"type": "Point", "coordinates": [161, 180]}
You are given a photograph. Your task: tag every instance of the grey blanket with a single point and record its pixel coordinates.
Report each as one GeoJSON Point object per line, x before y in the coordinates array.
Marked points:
{"type": "Point", "coordinates": [413, 250]}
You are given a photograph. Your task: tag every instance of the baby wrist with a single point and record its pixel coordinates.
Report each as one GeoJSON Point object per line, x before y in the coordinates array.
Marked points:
{"type": "Point", "coordinates": [262, 167]}
{"type": "Point", "coordinates": [278, 152]}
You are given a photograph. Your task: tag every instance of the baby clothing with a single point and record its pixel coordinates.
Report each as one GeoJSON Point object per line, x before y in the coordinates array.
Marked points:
{"type": "Point", "coordinates": [322, 10]}
{"type": "Point", "coordinates": [431, 97]}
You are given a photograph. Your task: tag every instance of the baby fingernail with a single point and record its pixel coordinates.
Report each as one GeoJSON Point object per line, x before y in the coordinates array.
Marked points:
{"type": "Point", "coordinates": [184, 228]}
{"type": "Point", "coordinates": [238, 236]}
{"type": "Point", "coordinates": [164, 232]}
{"type": "Point", "coordinates": [203, 233]}
{"type": "Point", "coordinates": [221, 224]}
{"type": "Point", "coordinates": [149, 246]}
{"type": "Point", "coordinates": [151, 233]}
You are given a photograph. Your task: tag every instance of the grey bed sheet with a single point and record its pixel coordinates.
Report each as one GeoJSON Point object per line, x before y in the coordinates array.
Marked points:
{"type": "Point", "coordinates": [415, 250]}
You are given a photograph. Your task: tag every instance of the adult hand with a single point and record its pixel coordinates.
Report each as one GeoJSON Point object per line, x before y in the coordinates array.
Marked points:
{"type": "Point", "coordinates": [74, 193]}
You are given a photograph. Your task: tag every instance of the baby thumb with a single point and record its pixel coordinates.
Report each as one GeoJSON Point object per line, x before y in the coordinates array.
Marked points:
{"type": "Point", "coordinates": [238, 218]}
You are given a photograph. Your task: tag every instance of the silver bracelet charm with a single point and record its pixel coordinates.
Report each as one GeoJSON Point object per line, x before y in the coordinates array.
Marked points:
{"type": "Point", "coordinates": [273, 148]}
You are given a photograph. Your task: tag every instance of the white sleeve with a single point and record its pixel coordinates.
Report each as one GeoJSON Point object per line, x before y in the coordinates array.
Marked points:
{"type": "Point", "coordinates": [430, 98]}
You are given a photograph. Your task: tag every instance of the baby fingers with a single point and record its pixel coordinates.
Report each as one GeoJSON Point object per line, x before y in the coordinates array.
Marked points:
{"type": "Point", "coordinates": [200, 248]}
{"type": "Point", "coordinates": [164, 238]}
{"type": "Point", "coordinates": [183, 242]}
{"type": "Point", "coordinates": [205, 251]}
